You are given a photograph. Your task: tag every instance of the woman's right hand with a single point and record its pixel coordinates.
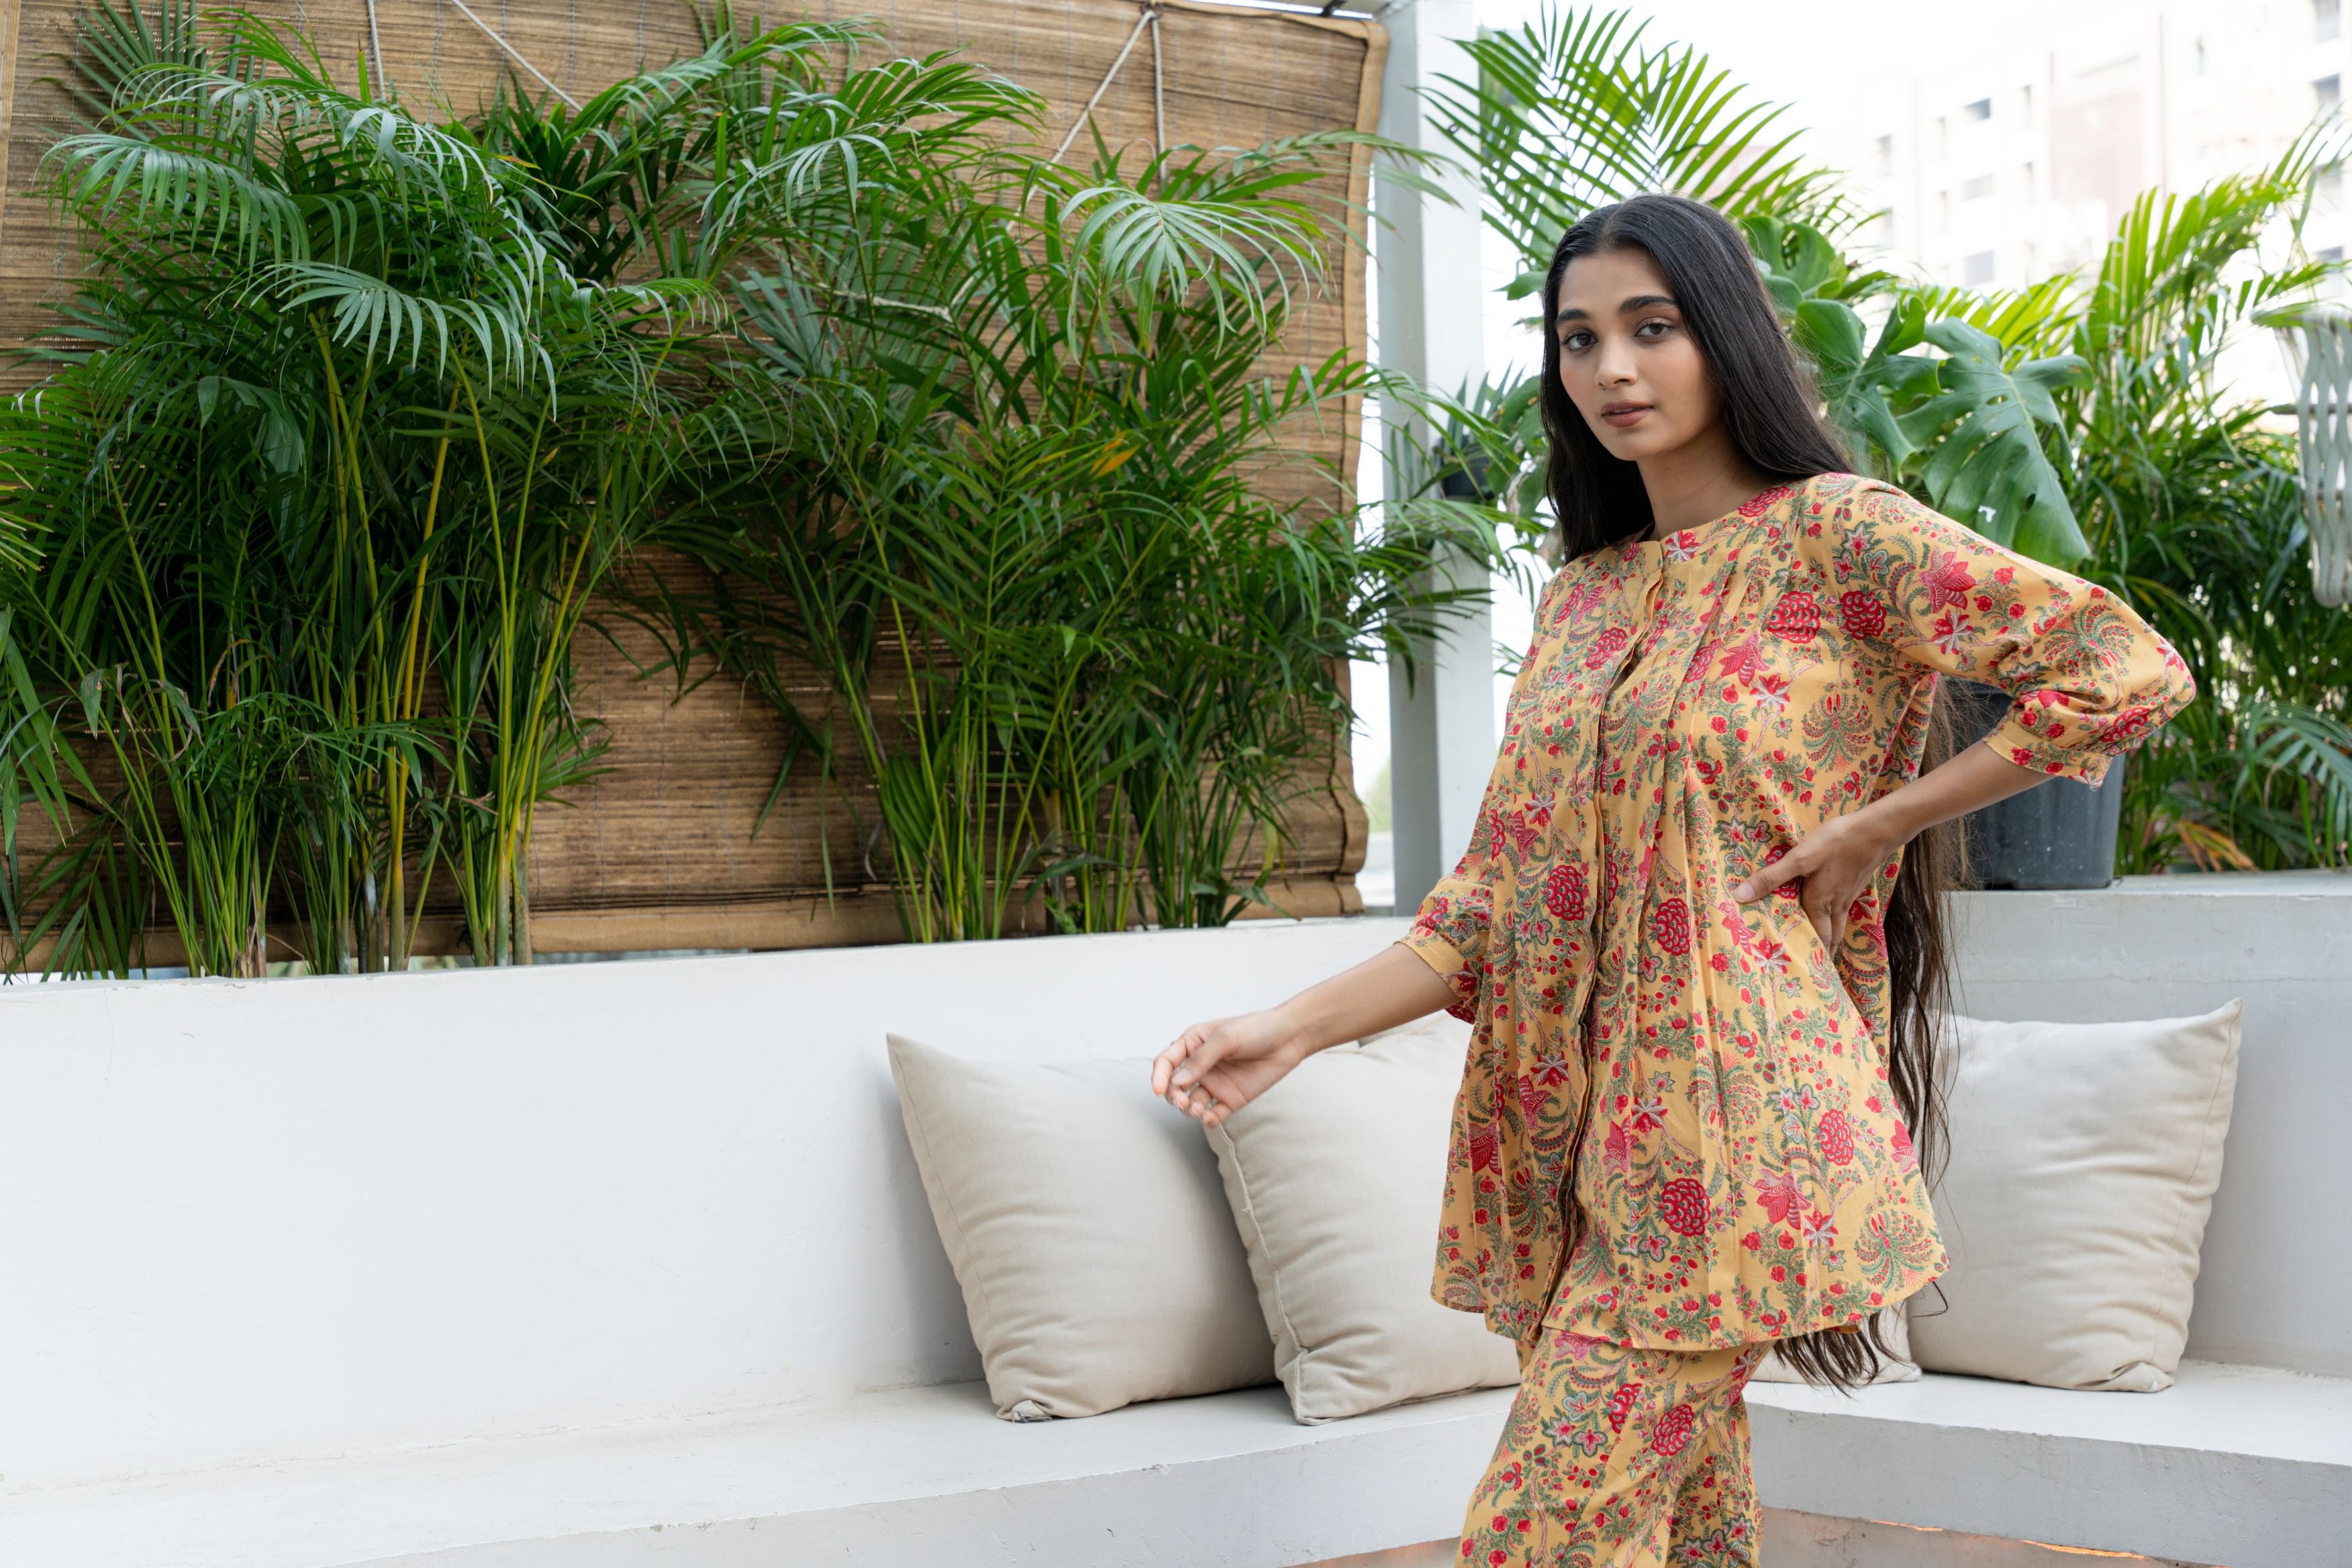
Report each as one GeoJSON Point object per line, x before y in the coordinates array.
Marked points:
{"type": "Point", "coordinates": [1213, 1070]}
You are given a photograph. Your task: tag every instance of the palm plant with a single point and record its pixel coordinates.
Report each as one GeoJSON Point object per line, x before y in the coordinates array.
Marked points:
{"type": "Point", "coordinates": [1082, 655]}
{"type": "Point", "coordinates": [344, 449]}
{"type": "Point", "coordinates": [354, 415]}
{"type": "Point", "coordinates": [1579, 108]}
{"type": "Point", "coordinates": [2193, 512]}
{"type": "Point", "coordinates": [2189, 509]}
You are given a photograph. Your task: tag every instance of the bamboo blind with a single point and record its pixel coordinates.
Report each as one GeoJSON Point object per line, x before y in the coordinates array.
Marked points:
{"type": "Point", "coordinates": [659, 850]}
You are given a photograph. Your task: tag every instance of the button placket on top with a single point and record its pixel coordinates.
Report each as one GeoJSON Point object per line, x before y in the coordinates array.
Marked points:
{"type": "Point", "coordinates": [1618, 918]}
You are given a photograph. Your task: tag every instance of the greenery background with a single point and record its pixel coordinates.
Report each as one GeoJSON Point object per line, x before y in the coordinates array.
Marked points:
{"type": "Point", "coordinates": [2080, 419]}
{"type": "Point", "coordinates": [361, 408]}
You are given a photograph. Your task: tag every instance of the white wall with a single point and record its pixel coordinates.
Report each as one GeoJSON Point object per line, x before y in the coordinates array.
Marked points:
{"type": "Point", "coordinates": [317, 1216]}
{"type": "Point", "coordinates": [306, 1217]}
{"type": "Point", "coordinates": [2278, 1251]}
{"type": "Point", "coordinates": [1429, 324]}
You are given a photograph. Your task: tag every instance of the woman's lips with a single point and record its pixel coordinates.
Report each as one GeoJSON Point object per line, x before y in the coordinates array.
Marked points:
{"type": "Point", "coordinates": [1624, 413]}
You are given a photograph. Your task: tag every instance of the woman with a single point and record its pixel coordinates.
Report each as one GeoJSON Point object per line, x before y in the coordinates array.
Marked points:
{"type": "Point", "coordinates": [1705, 974]}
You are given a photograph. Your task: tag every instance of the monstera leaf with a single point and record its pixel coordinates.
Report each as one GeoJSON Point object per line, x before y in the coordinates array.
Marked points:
{"type": "Point", "coordinates": [1862, 384]}
{"type": "Point", "coordinates": [1985, 464]}
{"type": "Point", "coordinates": [1963, 427]}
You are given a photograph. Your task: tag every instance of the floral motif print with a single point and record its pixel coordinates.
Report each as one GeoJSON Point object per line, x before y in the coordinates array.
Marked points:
{"type": "Point", "coordinates": [1619, 1456]}
{"type": "Point", "coordinates": [1703, 1079]}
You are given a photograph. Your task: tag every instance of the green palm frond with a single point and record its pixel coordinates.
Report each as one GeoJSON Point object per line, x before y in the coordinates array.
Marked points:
{"type": "Point", "coordinates": [2164, 278]}
{"type": "Point", "coordinates": [1579, 107]}
{"type": "Point", "coordinates": [2037, 320]}
{"type": "Point", "coordinates": [114, 43]}
{"type": "Point", "coordinates": [221, 203]}
{"type": "Point", "coordinates": [379, 318]}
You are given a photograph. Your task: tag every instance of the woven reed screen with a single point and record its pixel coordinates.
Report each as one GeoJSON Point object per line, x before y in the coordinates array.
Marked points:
{"type": "Point", "coordinates": [659, 851]}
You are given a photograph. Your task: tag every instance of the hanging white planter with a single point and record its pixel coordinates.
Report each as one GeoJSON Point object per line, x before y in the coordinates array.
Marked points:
{"type": "Point", "coordinates": [2319, 346]}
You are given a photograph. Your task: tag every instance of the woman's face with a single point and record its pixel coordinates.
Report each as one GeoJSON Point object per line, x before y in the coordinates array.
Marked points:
{"type": "Point", "coordinates": [1627, 360]}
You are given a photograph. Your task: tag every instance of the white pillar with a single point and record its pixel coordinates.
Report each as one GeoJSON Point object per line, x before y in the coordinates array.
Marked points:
{"type": "Point", "coordinates": [1432, 326]}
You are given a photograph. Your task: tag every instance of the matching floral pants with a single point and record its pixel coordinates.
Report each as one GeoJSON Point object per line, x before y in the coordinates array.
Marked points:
{"type": "Point", "coordinates": [1616, 1457]}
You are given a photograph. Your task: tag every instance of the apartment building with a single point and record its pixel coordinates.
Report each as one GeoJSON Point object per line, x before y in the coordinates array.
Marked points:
{"type": "Point", "coordinates": [2000, 174]}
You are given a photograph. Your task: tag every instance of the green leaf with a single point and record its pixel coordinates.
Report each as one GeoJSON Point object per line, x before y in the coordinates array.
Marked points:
{"type": "Point", "coordinates": [1579, 107]}
{"type": "Point", "coordinates": [1988, 467]}
{"type": "Point", "coordinates": [1832, 333]}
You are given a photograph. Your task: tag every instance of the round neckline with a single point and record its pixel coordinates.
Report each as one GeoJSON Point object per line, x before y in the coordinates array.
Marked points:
{"type": "Point", "coordinates": [1700, 535]}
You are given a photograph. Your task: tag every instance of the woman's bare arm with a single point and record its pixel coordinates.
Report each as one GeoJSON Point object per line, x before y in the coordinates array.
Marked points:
{"type": "Point", "coordinates": [1838, 858]}
{"type": "Point", "coordinates": [1213, 1070]}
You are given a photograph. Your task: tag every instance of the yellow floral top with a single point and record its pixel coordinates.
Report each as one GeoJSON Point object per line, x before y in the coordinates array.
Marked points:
{"type": "Point", "coordinates": [1710, 1077]}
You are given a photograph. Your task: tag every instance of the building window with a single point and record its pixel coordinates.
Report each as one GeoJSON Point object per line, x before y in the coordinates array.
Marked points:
{"type": "Point", "coordinates": [1940, 144]}
{"type": "Point", "coordinates": [1975, 269]}
{"type": "Point", "coordinates": [2025, 180]}
{"type": "Point", "coordinates": [1980, 110]}
{"type": "Point", "coordinates": [1943, 211]}
{"type": "Point", "coordinates": [2328, 91]}
{"type": "Point", "coordinates": [1886, 154]}
{"type": "Point", "coordinates": [2197, 63]}
{"type": "Point", "coordinates": [2327, 19]}
{"type": "Point", "coordinates": [2331, 182]}
{"type": "Point", "coordinates": [1978, 189]}
{"type": "Point", "coordinates": [2333, 253]}
{"type": "Point", "coordinates": [2025, 103]}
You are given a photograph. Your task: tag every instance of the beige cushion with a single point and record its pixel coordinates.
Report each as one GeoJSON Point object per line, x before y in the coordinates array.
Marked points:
{"type": "Point", "coordinates": [1098, 1260]}
{"type": "Point", "coordinates": [1893, 1330]}
{"type": "Point", "coordinates": [1335, 1177]}
{"type": "Point", "coordinates": [2083, 1162]}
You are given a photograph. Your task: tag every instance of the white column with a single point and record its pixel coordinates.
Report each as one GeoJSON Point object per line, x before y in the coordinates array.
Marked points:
{"type": "Point", "coordinates": [1432, 326]}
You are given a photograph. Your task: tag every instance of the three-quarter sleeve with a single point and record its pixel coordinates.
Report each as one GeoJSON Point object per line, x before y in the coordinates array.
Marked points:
{"type": "Point", "coordinates": [1450, 931]}
{"type": "Point", "coordinates": [2087, 678]}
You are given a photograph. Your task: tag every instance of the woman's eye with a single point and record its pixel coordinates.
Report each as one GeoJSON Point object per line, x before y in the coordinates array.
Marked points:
{"type": "Point", "coordinates": [1576, 341]}
{"type": "Point", "coordinates": [1653, 329]}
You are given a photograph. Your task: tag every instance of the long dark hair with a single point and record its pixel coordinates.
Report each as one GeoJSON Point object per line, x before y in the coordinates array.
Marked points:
{"type": "Point", "coordinates": [1769, 408]}
{"type": "Point", "coordinates": [1766, 404]}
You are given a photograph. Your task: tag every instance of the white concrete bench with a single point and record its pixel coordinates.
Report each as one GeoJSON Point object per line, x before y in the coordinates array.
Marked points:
{"type": "Point", "coordinates": [912, 1476]}
{"type": "Point", "coordinates": [2242, 1464]}
{"type": "Point", "coordinates": [627, 1265]}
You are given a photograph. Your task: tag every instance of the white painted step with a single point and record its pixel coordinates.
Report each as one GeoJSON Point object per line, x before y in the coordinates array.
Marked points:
{"type": "Point", "coordinates": [2241, 1464]}
{"type": "Point", "coordinates": [921, 1476]}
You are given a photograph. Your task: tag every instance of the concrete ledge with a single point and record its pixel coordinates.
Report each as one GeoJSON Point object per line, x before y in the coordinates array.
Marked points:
{"type": "Point", "coordinates": [2240, 1465]}
{"type": "Point", "coordinates": [924, 1478]}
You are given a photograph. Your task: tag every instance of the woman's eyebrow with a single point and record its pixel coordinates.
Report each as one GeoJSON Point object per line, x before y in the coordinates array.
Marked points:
{"type": "Point", "coordinates": [1644, 302]}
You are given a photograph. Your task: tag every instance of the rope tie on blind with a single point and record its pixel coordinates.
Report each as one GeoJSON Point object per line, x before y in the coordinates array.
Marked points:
{"type": "Point", "coordinates": [1150, 18]}
{"type": "Point", "coordinates": [513, 53]}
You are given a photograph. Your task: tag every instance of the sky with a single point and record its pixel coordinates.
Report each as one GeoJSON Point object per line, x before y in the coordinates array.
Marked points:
{"type": "Point", "coordinates": [1807, 54]}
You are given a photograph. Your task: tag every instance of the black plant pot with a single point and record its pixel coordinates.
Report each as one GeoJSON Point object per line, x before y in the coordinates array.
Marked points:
{"type": "Point", "coordinates": [2059, 834]}
{"type": "Point", "coordinates": [1467, 482]}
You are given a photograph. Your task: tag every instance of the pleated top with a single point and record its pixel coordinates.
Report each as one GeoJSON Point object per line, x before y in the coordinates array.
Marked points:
{"type": "Point", "coordinates": [1705, 1079]}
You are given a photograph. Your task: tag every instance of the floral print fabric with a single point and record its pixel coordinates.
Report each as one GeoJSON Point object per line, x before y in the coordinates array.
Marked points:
{"type": "Point", "coordinates": [1705, 1079]}
{"type": "Point", "coordinates": [1630, 1457]}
